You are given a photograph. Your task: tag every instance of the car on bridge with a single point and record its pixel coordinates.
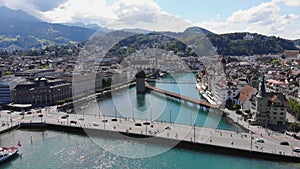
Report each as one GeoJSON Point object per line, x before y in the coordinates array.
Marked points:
{"type": "Point", "coordinates": [260, 140]}
{"type": "Point", "coordinates": [64, 116]}
{"type": "Point", "coordinates": [284, 143]}
{"type": "Point", "coordinates": [168, 128]}
{"type": "Point", "coordinates": [296, 149]}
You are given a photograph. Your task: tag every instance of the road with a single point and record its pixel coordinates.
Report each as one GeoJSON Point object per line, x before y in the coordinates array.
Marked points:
{"type": "Point", "coordinates": [225, 138]}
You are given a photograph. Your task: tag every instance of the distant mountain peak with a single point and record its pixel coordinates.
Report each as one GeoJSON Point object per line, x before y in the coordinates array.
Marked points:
{"type": "Point", "coordinates": [7, 14]}
{"type": "Point", "coordinates": [138, 31]}
{"type": "Point", "coordinates": [20, 30]}
{"type": "Point", "coordinates": [196, 29]}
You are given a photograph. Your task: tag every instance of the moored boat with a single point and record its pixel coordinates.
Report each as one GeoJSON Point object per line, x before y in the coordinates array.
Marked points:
{"type": "Point", "coordinates": [7, 152]}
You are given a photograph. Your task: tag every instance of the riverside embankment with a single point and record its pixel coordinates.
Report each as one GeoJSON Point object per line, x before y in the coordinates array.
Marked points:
{"type": "Point", "coordinates": [182, 136]}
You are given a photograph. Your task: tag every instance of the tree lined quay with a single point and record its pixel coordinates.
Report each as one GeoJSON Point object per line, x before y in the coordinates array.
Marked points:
{"type": "Point", "coordinates": [206, 136]}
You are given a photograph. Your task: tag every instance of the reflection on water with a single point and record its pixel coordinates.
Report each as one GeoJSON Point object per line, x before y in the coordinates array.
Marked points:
{"type": "Point", "coordinates": [140, 99]}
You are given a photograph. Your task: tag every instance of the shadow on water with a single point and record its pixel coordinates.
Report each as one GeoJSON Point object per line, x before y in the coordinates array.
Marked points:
{"type": "Point", "coordinates": [140, 99]}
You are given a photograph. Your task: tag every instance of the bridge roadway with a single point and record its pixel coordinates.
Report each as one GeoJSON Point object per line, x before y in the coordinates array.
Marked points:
{"type": "Point", "coordinates": [172, 81]}
{"type": "Point", "coordinates": [198, 135]}
{"type": "Point", "coordinates": [185, 98]}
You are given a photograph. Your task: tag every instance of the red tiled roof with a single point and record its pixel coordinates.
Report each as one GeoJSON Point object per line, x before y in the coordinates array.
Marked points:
{"type": "Point", "coordinates": [274, 96]}
{"type": "Point", "coordinates": [291, 53]}
{"type": "Point", "coordinates": [246, 93]}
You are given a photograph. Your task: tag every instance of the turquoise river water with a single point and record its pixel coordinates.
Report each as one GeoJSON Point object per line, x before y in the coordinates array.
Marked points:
{"type": "Point", "coordinates": [52, 149]}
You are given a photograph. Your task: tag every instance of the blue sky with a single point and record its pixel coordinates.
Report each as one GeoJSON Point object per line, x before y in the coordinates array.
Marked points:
{"type": "Point", "coordinates": [197, 10]}
{"type": "Point", "coordinates": [268, 17]}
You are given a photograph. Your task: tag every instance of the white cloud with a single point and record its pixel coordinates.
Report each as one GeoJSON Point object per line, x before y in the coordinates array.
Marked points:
{"type": "Point", "coordinates": [143, 14]}
{"type": "Point", "coordinates": [74, 10]}
{"type": "Point", "coordinates": [265, 18]}
{"type": "Point", "coordinates": [21, 4]}
{"type": "Point", "coordinates": [152, 21]}
{"type": "Point", "coordinates": [32, 7]}
{"type": "Point", "coordinates": [261, 13]}
{"type": "Point", "coordinates": [99, 11]}
{"type": "Point", "coordinates": [124, 8]}
{"type": "Point", "coordinates": [292, 2]}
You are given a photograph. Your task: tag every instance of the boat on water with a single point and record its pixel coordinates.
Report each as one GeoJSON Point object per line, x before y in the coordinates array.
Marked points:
{"type": "Point", "coordinates": [201, 87]}
{"type": "Point", "coordinates": [7, 153]}
{"type": "Point", "coordinates": [209, 97]}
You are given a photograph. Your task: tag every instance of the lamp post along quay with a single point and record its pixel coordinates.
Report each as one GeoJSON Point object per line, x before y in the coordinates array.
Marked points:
{"type": "Point", "coordinates": [241, 142]}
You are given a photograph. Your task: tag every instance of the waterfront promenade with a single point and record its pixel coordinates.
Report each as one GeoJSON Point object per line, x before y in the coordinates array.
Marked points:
{"type": "Point", "coordinates": [266, 133]}
{"type": "Point", "coordinates": [197, 135]}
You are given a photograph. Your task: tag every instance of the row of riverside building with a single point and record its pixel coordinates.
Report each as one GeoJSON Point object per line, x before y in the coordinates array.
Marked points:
{"type": "Point", "coordinates": [40, 92]}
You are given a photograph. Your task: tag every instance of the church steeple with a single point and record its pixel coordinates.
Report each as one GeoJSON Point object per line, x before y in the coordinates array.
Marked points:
{"type": "Point", "coordinates": [223, 63]}
{"type": "Point", "coordinates": [262, 88]}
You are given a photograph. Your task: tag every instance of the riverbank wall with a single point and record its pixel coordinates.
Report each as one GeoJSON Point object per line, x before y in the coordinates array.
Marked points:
{"type": "Point", "coordinates": [162, 141]}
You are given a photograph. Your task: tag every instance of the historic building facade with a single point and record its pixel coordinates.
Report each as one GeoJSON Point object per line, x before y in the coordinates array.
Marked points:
{"type": "Point", "coordinates": [42, 92]}
{"type": "Point", "coordinates": [268, 108]}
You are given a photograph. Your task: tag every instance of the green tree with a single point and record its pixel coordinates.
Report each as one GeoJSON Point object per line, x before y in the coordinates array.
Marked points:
{"type": "Point", "coordinates": [229, 103]}
{"type": "Point", "coordinates": [276, 62]}
{"type": "Point", "coordinates": [7, 73]}
{"type": "Point", "coordinates": [294, 106]}
{"type": "Point", "coordinates": [236, 106]}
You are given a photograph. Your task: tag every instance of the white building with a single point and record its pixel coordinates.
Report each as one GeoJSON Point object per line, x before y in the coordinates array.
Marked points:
{"type": "Point", "coordinates": [7, 84]}
{"type": "Point", "coordinates": [226, 89]}
{"type": "Point", "coordinates": [244, 97]}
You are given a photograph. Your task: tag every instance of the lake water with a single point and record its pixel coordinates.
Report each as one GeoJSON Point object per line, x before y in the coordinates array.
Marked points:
{"type": "Point", "coordinates": [50, 149]}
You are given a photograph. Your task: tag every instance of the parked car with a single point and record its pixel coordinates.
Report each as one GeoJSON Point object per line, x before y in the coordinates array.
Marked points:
{"type": "Point", "coordinates": [284, 143]}
{"type": "Point", "coordinates": [64, 116]}
{"type": "Point", "coordinates": [260, 140]}
{"type": "Point", "coordinates": [296, 149]}
{"type": "Point", "coordinates": [168, 128]}
{"type": "Point", "coordinates": [95, 124]}
{"type": "Point", "coordinates": [73, 121]}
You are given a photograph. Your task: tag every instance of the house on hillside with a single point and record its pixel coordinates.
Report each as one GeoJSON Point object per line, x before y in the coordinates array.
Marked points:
{"type": "Point", "coordinates": [291, 57]}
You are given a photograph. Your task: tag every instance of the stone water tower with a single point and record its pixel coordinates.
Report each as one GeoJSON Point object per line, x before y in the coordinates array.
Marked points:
{"type": "Point", "coordinates": [140, 82]}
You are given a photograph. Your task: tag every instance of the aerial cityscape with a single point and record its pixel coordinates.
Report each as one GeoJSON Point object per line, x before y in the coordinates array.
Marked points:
{"type": "Point", "coordinates": [150, 84]}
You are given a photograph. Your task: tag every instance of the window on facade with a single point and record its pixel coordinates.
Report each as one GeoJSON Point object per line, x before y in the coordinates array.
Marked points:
{"type": "Point", "coordinates": [281, 113]}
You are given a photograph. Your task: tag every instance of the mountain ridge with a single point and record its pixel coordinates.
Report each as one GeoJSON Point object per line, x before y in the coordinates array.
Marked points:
{"type": "Point", "coordinates": [24, 31]}
{"type": "Point", "coordinates": [21, 31]}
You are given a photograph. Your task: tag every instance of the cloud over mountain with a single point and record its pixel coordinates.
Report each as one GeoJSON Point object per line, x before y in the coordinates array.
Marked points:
{"type": "Point", "coordinates": [270, 17]}
{"type": "Point", "coordinates": [265, 18]}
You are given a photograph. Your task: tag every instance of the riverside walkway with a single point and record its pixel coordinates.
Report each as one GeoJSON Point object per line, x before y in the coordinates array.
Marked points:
{"type": "Point", "coordinates": [181, 97]}
{"type": "Point", "coordinates": [233, 140]}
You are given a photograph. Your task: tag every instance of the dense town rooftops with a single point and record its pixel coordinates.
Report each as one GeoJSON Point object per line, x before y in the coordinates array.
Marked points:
{"type": "Point", "coordinates": [272, 97]}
